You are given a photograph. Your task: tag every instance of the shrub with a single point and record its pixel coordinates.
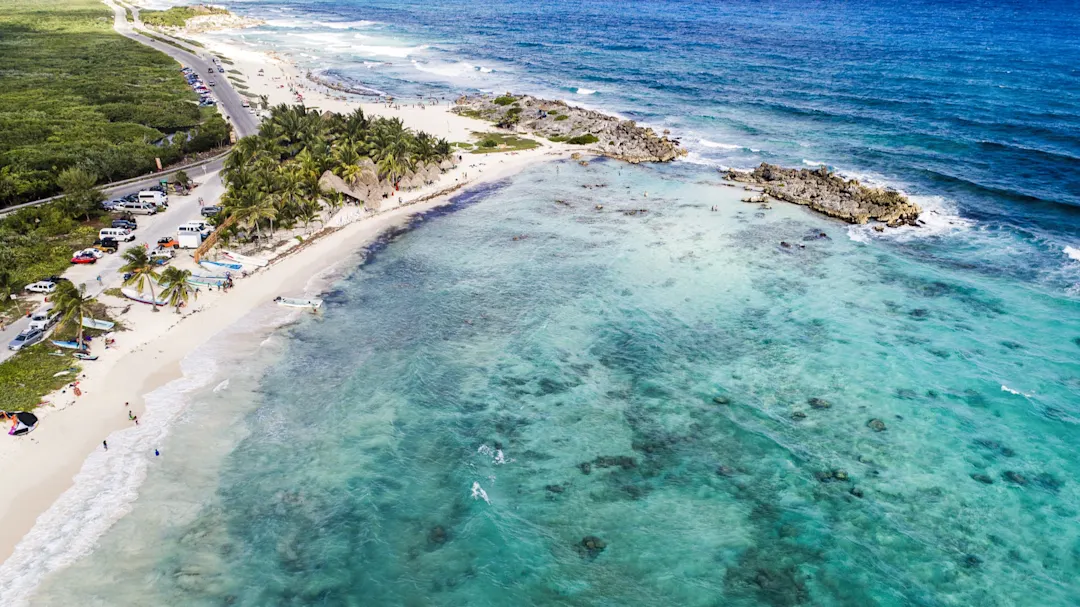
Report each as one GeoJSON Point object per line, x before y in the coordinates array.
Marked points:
{"type": "Point", "coordinates": [504, 100]}
{"type": "Point", "coordinates": [561, 117]}
{"type": "Point", "coordinates": [489, 143]}
{"type": "Point", "coordinates": [583, 139]}
{"type": "Point", "coordinates": [558, 138]}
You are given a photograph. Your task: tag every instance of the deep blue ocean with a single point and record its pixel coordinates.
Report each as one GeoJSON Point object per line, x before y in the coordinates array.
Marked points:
{"type": "Point", "coordinates": [519, 401]}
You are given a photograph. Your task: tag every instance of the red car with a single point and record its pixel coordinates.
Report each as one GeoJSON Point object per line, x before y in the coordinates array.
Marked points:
{"type": "Point", "coordinates": [84, 259]}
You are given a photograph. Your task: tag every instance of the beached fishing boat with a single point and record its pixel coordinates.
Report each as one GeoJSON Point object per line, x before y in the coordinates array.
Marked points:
{"type": "Point", "coordinates": [295, 302]}
{"type": "Point", "coordinates": [245, 259]}
{"type": "Point", "coordinates": [198, 279]}
{"type": "Point", "coordinates": [70, 345]}
{"type": "Point", "coordinates": [93, 323]}
{"type": "Point", "coordinates": [134, 295]}
{"type": "Point", "coordinates": [215, 266]}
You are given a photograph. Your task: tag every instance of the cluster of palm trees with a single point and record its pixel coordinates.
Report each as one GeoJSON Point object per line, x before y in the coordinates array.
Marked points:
{"type": "Point", "coordinates": [72, 304]}
{"type": "Point", "coordinates": [142, 273]}
{"type": "Point", "coordinates": [273, 178]}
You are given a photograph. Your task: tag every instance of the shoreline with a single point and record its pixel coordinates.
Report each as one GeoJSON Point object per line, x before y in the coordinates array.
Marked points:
{"type": "Point", "coordinates": [66, 452]}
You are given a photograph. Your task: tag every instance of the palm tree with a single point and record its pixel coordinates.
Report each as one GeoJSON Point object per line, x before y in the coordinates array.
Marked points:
{"type": "Point", "coordinates": [257, 210]}
{"type": "Point", "coordinates": [72, 304]}
{"type": "Point", "coordinates": [177, 288]}
{"type": "Point", "coordinates": [142, 271]}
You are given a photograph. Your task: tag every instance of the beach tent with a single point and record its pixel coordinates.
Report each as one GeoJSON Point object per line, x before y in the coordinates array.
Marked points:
{"type": "Point", "coordinates": [22, 423]}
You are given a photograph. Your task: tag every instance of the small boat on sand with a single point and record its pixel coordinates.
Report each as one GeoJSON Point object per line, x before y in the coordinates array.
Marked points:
{"type": "Point", "coordinates": [85, 356]}
{"type": "Point", "coordinates": [70, 345]}
{"type": "Point", "coordinates": [134, 295]}
{"type": "Point", "coordinates": [200, 279]}
{"type": "Point", "coordinates": [295, 302]}
{"type": "Point", "coordinates": [251, 261]}
{"type": "Point", "coordinates": [93, 323]}
{"type": "Point", "coordinates": [215, 266]}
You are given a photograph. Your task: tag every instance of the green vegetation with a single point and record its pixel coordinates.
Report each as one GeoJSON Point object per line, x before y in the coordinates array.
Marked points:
{"type": "Point", "coordinates": [471, 113]}
{"type": "Point", "coordinates": [177, 16]}
{"type": "Point", "coordinates": [114, 292]}
{"type": "Point", "coordinates": [163, 40]}
{"type": "Point", "coordinates": [502, 142]}
{"type": "Point", "coordinates": [30, 376]}
{"type": "Point", "coordinates": [583, 139]}
{"type": "Point", "coordinates": [272, 178]}
{"type": "Point", "coordinates": [128, 14]}
{"type": "Point", "coordinates": [73, 305]}
{"type": "Point", "coordinates": [463, 145]}
{"type": "Point", "coordinates": [505, 100]}
{"type": "Point", "coordinates": [561, 117]}
{"type": "Point", "coordinates": [237, 72]}
{"type": "Point", "coordinates": [75, 93]}
{"type": "Point", "coordinates": [177, 288]}
{"type": "Point", "coordinates": [558, 138]}
{"type": "Point", "coordinates": [224, 59]}
{"type": "Point", "coordinates": [37, 242]}
{"type": "Point", "coordinates": [143, 272]}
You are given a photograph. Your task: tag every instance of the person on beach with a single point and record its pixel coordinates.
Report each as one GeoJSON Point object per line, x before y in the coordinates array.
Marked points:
{"type": "Point", "coordinates": [130, 416]}
{"type": "Point", "coordinates": [156, 453]}
{"type": "Point", "coordinates": [105, 444]}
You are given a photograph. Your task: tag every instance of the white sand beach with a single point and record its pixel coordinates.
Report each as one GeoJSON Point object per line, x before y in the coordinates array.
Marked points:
{"type": "Point", "coordinates": [147, 355]}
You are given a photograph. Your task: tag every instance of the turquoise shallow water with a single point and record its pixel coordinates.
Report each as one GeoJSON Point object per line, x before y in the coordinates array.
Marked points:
{"type": "Point", "coordinates": [523, 333]}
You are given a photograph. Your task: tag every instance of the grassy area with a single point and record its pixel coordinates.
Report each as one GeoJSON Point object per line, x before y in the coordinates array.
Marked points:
{"type": "Point", "coordinates": [130, 16]}
{"type": "Point", "coordinates": [237, 72]}
{"type": "Point", "coordinates": [74, 92]}
{"type": "Point", "coordinates": [30, 376]}
{"type": "Point", "coordinates": [177, 16]}
{"type": "Point", "coordinates": [504, 100]}
{"type": "Point", "coordinates": [502, 142]}
{"type": "Point", "coordinates": [224, 59]}
{"type": "Point", "coordinates": [163, 40]}
{"type": "Point", "coordinates": [561, 117]}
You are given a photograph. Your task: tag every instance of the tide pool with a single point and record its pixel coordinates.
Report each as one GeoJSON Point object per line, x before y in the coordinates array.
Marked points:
{"type": "Point", "coordinates": [529, 400]}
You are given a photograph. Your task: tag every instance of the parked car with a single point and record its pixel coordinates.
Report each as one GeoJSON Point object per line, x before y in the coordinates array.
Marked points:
{"type": "Point", "coordinates": [83, 257]}
{"type": "Point", "coordinates": [44, 318]}
{"type": "Point", "coordinates": [91, 251]}
{"type": "Point", "coordinates": [209, 211]}
{"type": "Point", "coordinates": [28, 337]}
{"type": "Point", "coordinates": [42, 286]}
{"type": "Point", "coordinates": [168, 242]}
{"type": "Point", "coordinates": [107, 245]}
{"type": "Point", "coordinates": [124, 223]}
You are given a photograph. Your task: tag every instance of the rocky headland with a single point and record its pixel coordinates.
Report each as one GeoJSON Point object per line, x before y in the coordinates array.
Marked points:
{"type": "Point", "coordinates": [830, 194]}
{"type": "Point", "coordinates": [557, 121]}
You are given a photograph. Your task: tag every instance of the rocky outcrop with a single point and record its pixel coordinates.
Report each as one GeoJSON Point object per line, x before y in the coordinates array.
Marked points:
{"type": "Point", "coordinates": [828, 193]}
{"type": "Point", "coordinates": [605, 135]}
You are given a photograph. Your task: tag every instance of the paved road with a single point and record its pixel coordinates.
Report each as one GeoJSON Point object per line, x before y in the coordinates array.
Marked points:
{"type": "Point", "coordinates": [181, 209]}
{"type": "Point", "coordinates": [201, 61]}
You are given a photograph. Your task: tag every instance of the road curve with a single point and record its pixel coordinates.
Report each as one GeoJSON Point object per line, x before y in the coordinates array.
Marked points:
{"type": "Point", "coordinates": [229, 100]}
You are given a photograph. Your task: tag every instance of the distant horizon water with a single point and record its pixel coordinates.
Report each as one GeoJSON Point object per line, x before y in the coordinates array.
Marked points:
{"type": "Point", "coordinates": [666, 407]}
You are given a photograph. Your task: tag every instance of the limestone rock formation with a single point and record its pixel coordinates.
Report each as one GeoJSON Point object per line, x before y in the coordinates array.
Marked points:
{"type": "Point", "coordinates": [557, 121]}
{"type": "Point", "coordinates": [832, 195]}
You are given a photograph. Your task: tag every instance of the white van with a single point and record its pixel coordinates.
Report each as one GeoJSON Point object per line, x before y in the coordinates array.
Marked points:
{"type": "Point", "coordinates": [44, 318]}
{"type": "Point", "coordinates": [139, 208]}
{"type": "Point", "coordinates": [194, 227]}
{"type": "Point", "coordinates": [120, 234]}
{"type": "Point", "coordinates": [155, 198]}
